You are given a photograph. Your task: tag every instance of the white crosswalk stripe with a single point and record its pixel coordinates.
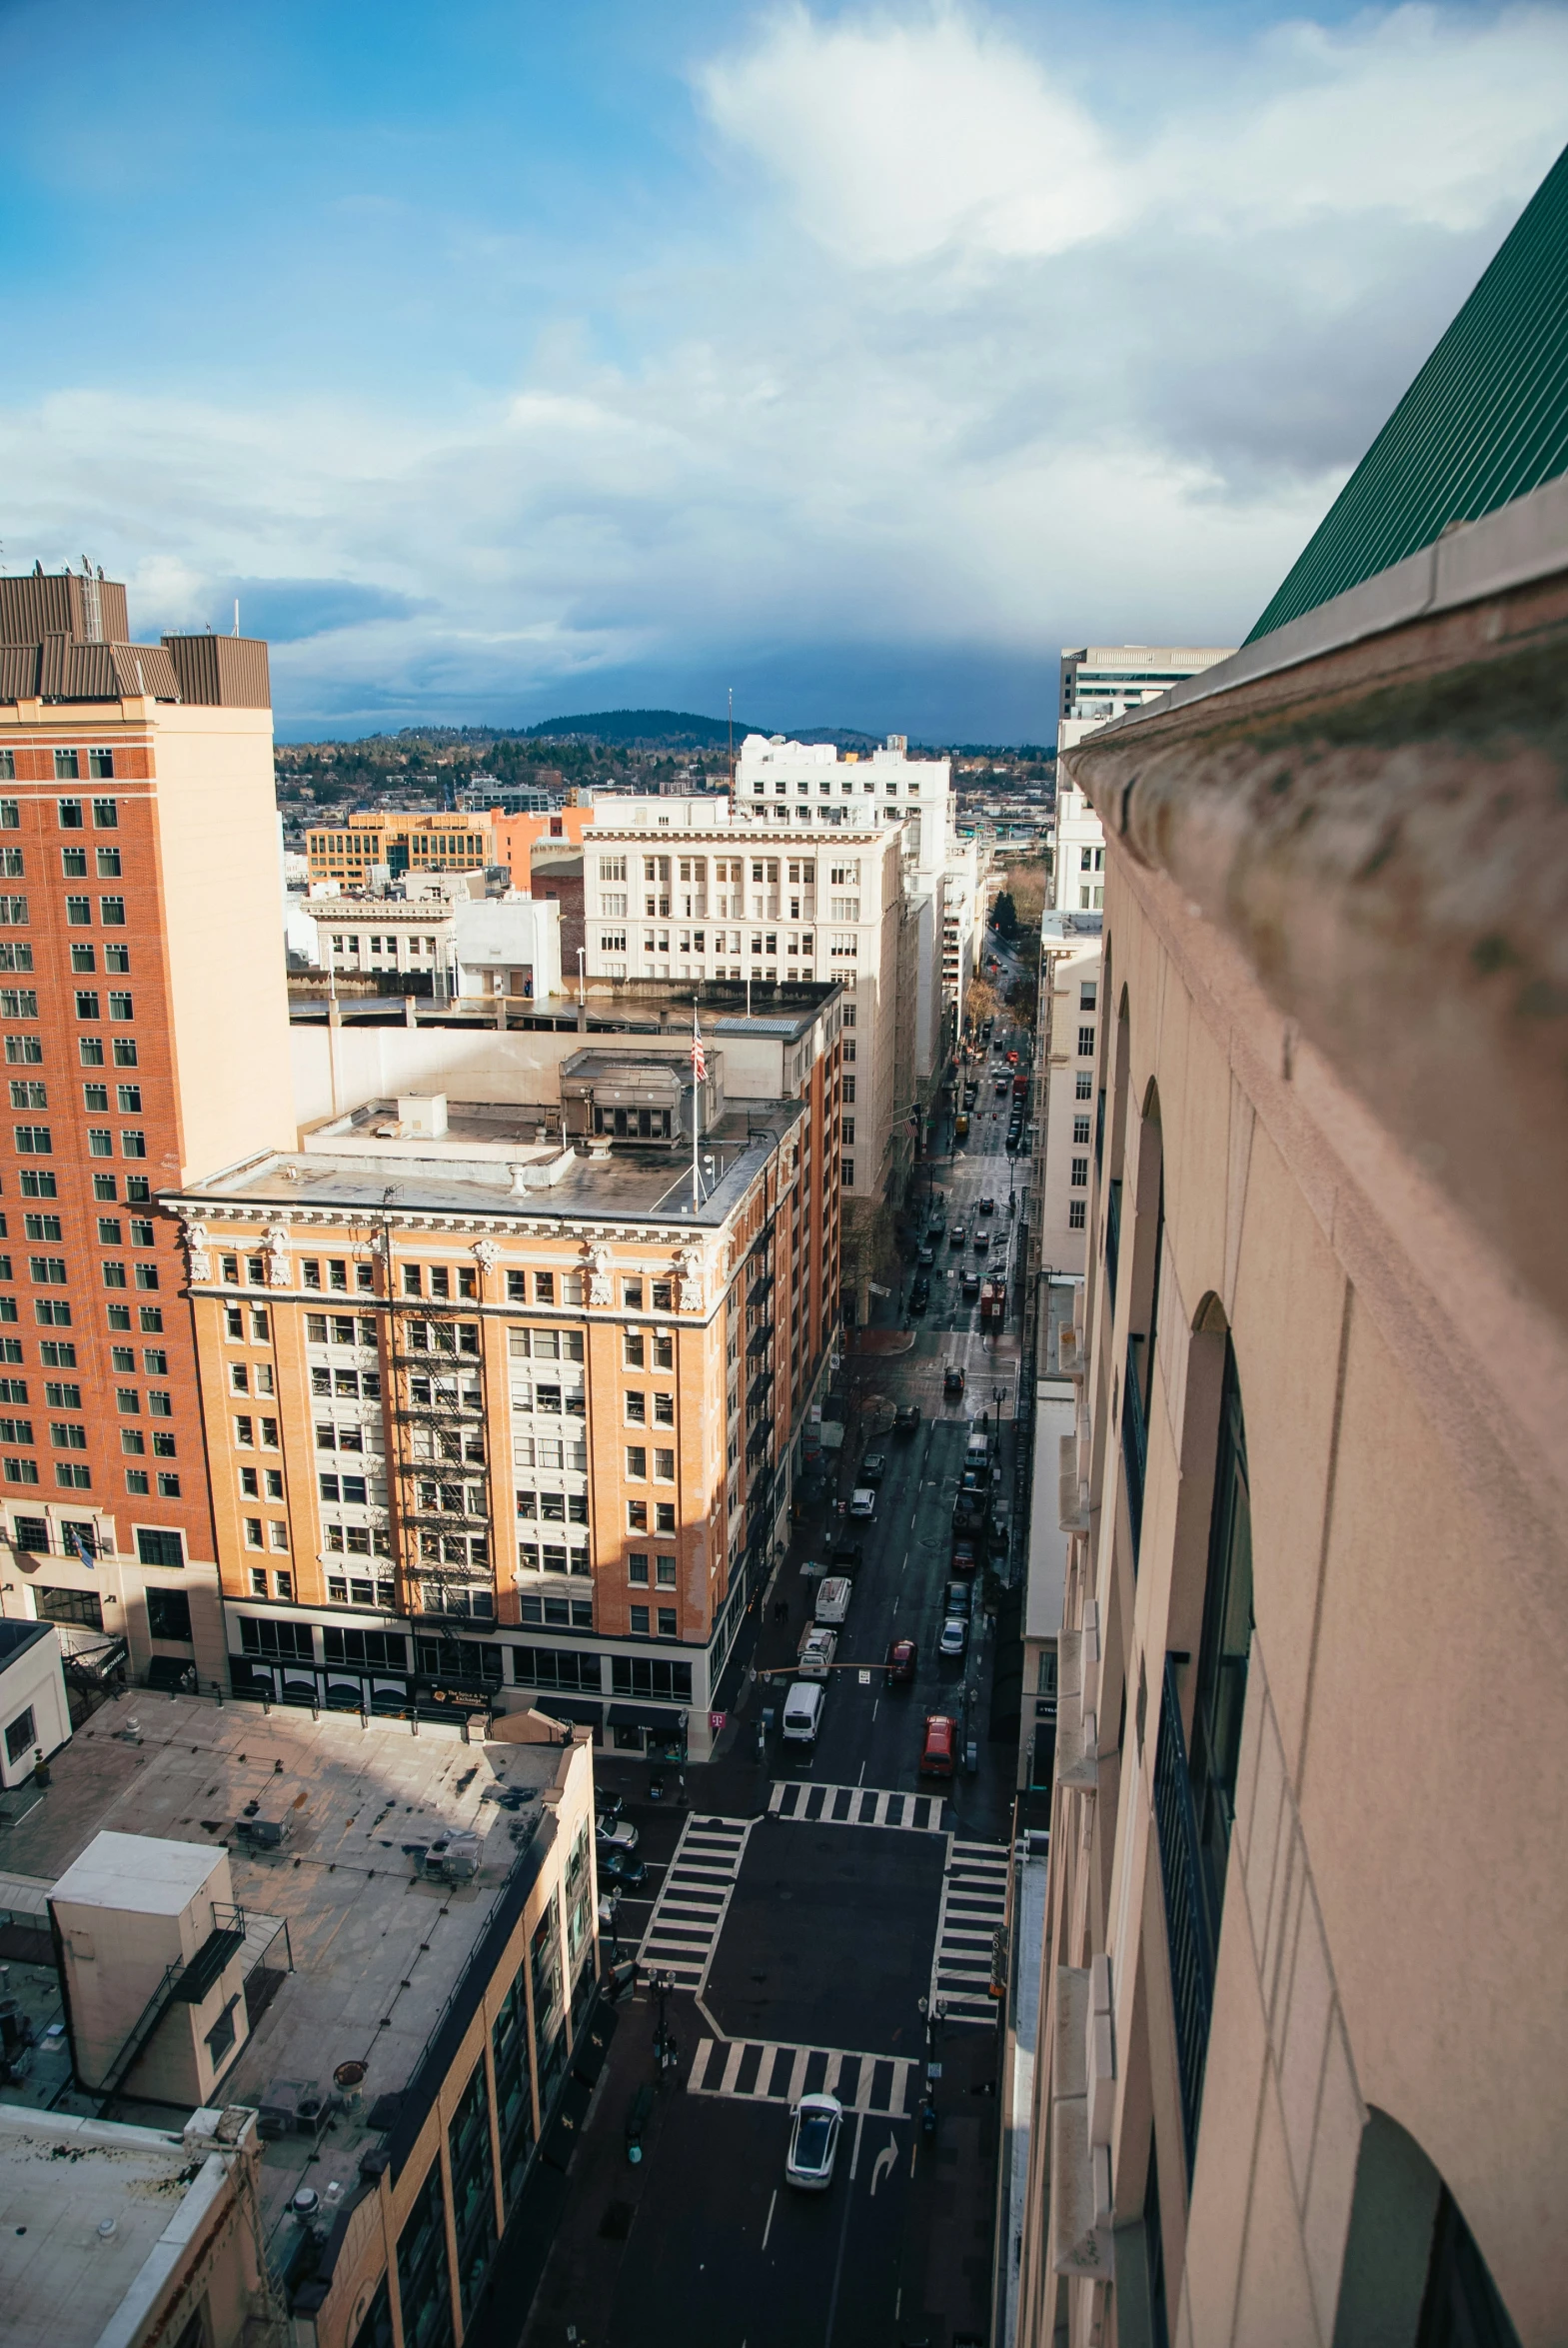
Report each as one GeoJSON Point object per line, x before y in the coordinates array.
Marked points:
{"type": "Point", "coordinates": [855, 1806]}
{"type": "Point", "coordinates": [700, 1881]}
{"type": "Point", "coordinates": [767, 2073]}
{"type": "Point", "coordinates": [973, 1909]}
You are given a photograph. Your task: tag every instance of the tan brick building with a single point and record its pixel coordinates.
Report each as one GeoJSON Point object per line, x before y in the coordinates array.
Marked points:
{"type": "Point", "coordinates": [491, 1411]}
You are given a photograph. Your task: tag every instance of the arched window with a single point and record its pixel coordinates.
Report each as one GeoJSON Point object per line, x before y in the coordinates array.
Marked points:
{"type": "Point", "coordinates": [1227, 1637]}
{"type": "Point", "coordinates": [1413, 2275]}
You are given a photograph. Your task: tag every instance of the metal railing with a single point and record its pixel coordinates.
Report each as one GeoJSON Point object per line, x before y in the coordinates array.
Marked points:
{"type": "Point", "coordinates": [1134, 1444]}
{"type": "Point", "coordinates": [1186, 1915]}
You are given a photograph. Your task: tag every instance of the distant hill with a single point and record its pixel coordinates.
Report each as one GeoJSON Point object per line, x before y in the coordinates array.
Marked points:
{"type": "Point", "coordinates": [669, 729]}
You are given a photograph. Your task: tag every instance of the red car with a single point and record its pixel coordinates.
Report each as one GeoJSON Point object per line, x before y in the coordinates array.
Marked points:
{"type": "Point", "coordinates": [903, 1656]}
{"type": "Point", "coordinates": [941, 1738]}
{"type": "Point", "coordinates": [963, 1556]}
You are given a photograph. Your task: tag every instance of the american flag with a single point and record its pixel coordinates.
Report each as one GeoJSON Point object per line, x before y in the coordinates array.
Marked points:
{"type": "Point", "coordinates": [698, 1059]}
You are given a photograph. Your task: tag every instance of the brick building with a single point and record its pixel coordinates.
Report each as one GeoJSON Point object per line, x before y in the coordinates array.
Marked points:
{"type": "Point", "coordinates": [137, 947]}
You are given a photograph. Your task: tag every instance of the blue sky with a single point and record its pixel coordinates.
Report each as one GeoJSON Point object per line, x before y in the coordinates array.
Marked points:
{"type": "Point", "coordinates": [512, 360]}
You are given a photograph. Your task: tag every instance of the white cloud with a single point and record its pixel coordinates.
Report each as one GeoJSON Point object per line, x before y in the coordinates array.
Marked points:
{"type": "Point", "coordinates": [895, 138]}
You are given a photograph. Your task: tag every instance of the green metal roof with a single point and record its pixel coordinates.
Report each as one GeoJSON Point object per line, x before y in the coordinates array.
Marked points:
{"type": "Point", "coordinates": [1486, 420]}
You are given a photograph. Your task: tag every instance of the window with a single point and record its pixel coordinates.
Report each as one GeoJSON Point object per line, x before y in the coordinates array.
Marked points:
{"type": "Point", "coordinates": [1081, 1131]}
{"type": "Point", "coordinates": [24, 1050]}
{"type": "Point", "coordinates": [51, 1312]}
{"type": "Point", "coordinates": [87, 1003]}
{"type": "Point", "coordinates": [640, 1621]}
{"type": "Point", "coordinates": [1081, 1174]}
{"type": "Point", "coordinates": [121, 1007]}
{"type": "Point", "coordinates": [168, 1613]}
{"type": "Point", "coordinates": [668, 1624]}
{"type": "Point", "coordinates": [636, 1568]}
{"type": "Point", "coordinates": [637, 1462]}
{"type": "Point", "coordinates": [78, 912]}
{"type": "Point", "coordinates": [1077, 1208]}
{"type": "Point", "coordinates": [73, 1478]}
{"type": "Point", "coordinates": [663, 1516]}
{"type": "Point", "coordinates": [106, 814]}
{"type": "Point", "coordinates": [666, 1572]}
{"type": "Point", "coordinates": [1085, 1042]}
{"type": "Point", "coordinates": [128, 1099]}
{"type": "Point", "coordinates": [663, 1466]}
{"type": "Point", "coordinates": [124, 1051]}
{"type": "Point", "coordinates": [18, 1003]}
{"type": "Point", "coordinates": [68, 769]}
{"type": "Point", "coordinates": [847, 1172]}
{"type": "Point", "coordinates": [1088, 993]}
{"type": "Point", "coordinates": [13, 916]}
{"type": "Point", "coordinates": [132, 1142]}
{"type": "Point", "coordinates": [21, 1734]}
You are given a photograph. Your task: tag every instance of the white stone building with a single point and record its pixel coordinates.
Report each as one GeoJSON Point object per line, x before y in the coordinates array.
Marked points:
{"type": "Point", "coordinates": [1100, 682]}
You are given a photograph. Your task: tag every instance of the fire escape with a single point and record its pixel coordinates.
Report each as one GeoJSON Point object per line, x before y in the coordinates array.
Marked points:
{"type": "Point", "coordinates": [440, 1470]}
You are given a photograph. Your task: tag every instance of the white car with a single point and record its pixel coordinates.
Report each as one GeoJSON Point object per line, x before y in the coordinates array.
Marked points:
{"type": "Point", "coordinates": [954, 1636]}
{"type": "Point", "coordinates": [863, 1501]}
{"type": "Point", "coordinates": [813, 2140]}
{"type": "Point", "coordinates": [618, 1834]}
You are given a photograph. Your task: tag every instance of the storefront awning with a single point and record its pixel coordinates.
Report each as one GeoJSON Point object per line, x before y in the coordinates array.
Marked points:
{"type": "Point", "coordinates": [663, 1723]}
{"type": "Point", "coordinates": [577, 1708]}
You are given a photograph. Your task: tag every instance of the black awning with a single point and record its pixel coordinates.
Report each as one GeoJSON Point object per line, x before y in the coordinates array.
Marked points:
{"type": "Point", "coordinates": [578, 1708]}
{"type": "Point", "coordinates": [663, 1722]}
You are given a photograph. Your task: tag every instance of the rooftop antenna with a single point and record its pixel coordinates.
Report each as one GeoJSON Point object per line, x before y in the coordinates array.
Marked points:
{"type": "Point", "coordinates": [236, 615]}
{"type": "Point", "coordinates": [732, 746]}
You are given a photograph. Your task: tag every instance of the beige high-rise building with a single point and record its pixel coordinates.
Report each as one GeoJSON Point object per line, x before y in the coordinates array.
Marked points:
{"type": "Point", "coordinates": [1302, 2042]}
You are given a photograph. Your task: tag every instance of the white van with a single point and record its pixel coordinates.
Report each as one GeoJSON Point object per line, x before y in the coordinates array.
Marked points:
{"type": "Point", "coordinates": [802, 1713]}
{"type": "Point", "coordinates": [818, 1650]}
{"type": "Point", "coordinates": [832, 1599]}
{"type": "Point", "coordinates": [978, 1454]}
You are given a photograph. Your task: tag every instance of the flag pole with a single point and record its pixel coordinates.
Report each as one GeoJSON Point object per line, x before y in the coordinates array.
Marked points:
{"type": "Point", "coordinates": [699, 1073]}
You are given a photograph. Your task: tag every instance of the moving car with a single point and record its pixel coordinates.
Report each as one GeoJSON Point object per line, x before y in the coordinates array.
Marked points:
{"type": "Point", "coordinates": [874, 1467]}
{"type": "Point", "coordinates": [1003, 1084]}
{"type": "Point", "coordinates": [985, 1206]}
{"type": "Point", "coordinates": [919, 1296]}
{"type": "Point", "coordinates": [970, 1283]}
{"type": "Point", "coordinates": [925, 1256]}
{"type": "Point", "coordinates": [955, 1235]}
{"type": "Point", "coordinates": [941, 1738]}
{"type": "Point", "coordinates": [617, 1835]}
{"type": "Point", "coordinates": [981, 1241]}
{"type": "Point", "coordinates": [907, 1417]}
{"type": "Point", "coordinates": [814, 2139]}
{"type": "Point", "coordinates": [902, 1657]}
{"type": "Point", "coordinates": [863, 1501]}
{"type": "Point", "coordinates": [952, 1380]}
{"type": "Point", "coordinates": [955, 1638]}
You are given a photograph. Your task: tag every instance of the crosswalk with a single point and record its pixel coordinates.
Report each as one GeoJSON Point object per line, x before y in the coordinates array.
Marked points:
{"type": "Point", "coordinates": [855, 1806]}
{"type": "Point", "coordinates": [973, 1909]}
{"type": "Point", "coordinates": [683, 1930]}
{"type": "Point", "coordinates": [767, 2073]}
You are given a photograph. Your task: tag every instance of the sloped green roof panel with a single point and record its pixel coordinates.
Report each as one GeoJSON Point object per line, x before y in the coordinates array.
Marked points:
{"type": "Point", "coordinates": [1486, 420]}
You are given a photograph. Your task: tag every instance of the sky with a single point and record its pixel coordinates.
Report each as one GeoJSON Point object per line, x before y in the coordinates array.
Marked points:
{"type": "Point", "coordinates": [505, 361]}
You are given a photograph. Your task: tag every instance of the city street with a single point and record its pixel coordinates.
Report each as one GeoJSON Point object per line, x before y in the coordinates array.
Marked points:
{"type": "Point", "coordinates": [815, 1912]}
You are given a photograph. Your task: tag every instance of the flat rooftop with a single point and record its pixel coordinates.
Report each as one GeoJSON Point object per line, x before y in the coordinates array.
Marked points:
{"type": "Point", "coordinates": [376, 1948]}
{"type": "Point", "coordinates": [491, 1161]}
{"type": "Point", "coordinates": [635, 1006]}
{"type": "Point", "coordinates": [60, 2179]}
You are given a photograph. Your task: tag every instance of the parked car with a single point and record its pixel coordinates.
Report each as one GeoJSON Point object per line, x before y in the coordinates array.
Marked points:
{"type": "Point", "coordinates": [952, 1380]}
{"type": "Point", "coordinates": [956, 1599]}
{"type": "Point", "coordinates": [941, 1738]}
{"type": "Point", "coordinates": [902, 1657]}
{"type": "Point", "coordinates": [919, 1296]}
{"type": "Point", "coordinates": [813, 2140]}
{"type": "Point", "coordinates": [617, 1835]}
{"type": "Point", "coordinates": [874, 1467]}
{"type": "Point", "coordinates": [955, 1638]}
{"type": "Point", "coordinates": [925, 1258]}
{"type": "Point", "coordinates": [968, 1512]}
{"type": "Point", "coordinates": [619, 1866]}
{"type": "Point", "coordinates": [964, 1556]}
{"type": "Point", "coordinates": [846, 1556]}
{"type": "Point", "coordinates": [608, 1807]}
{"type": "Point", "coordinates": [863, 1501]}
{"type": "Point", "coordinates": [907, 1417]}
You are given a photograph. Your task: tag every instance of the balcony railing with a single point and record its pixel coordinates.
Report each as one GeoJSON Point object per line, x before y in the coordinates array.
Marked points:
{"type": "Point", "coordinates": [1186, 1915]}
{"type": "Point", "coordinates": [1134, 1444]}
{"type": "Point", "coordinates": [1112, 1236]}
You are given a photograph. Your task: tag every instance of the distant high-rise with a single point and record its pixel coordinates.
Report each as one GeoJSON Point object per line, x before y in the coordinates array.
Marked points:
{"type": "Point", "coordinates": [146, 1036]}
